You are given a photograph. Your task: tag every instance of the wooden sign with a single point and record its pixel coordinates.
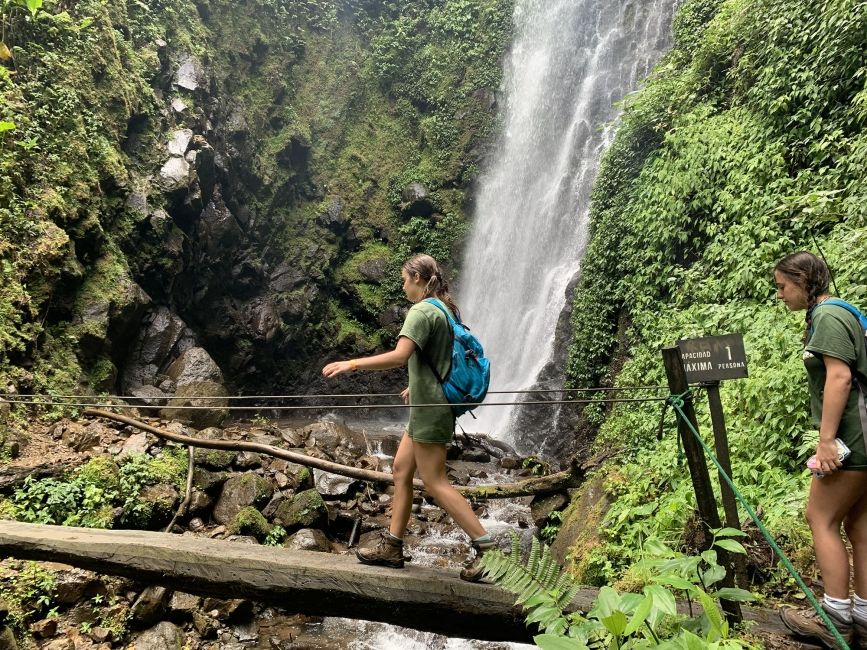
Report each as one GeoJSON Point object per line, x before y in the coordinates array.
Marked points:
{"type": "Point", "coordinates": [713, 358]}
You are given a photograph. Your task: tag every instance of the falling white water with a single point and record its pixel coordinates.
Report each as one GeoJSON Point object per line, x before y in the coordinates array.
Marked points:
{"type": "Point", "coordinates": [570, 62]}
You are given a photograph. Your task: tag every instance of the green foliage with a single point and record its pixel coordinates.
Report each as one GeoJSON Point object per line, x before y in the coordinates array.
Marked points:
{"type": "Point", "coordinates": [623, 620]}
{"type": "Point", "coordinates": [275, 536]}
{"type": "Point", "coordinates": [27, 592]}
{"type": "Point", "coordinates": [90, 494]}
{"type": "Point", "coordinates": [746, 142]}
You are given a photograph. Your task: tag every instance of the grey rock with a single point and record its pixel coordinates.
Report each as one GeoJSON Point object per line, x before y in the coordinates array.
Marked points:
{"type": "Point", "coordinates": [151, 605]}
{"type": "Point", "coordinates": [162, 636]}
{"type": "Point", "coordinates": [542, 507]}
{"type": "Point", "coordinates": [178, 105]}
{"type": "Point", "coordinates": [414, 192]}
{"type": "Point", "coordinates": [201, 393]}
{"type": "Point", "coordinates": [334, 218]}
{"type": "Point", "coordinates": [190, 74]}
{"type": "Point", "coordinates": [218, 231]}
{"type": "Point", "coordinates": [207, 481]}
{"type": "Point", "coordinates": [305, 510]}
{"type": "Point", "coordinates": [234, 610]}
{"type": "Point", "coordinates": [333, 485]}
{"type": "Point", "coordinates": [63, 643]}
{"type": "Point", "coordinates": [199, 502]}
{"type": "Point", "coordinates": [196, 524]}
{"type": "Point", "coordinates": [80, 438]}
{"type": "Point", "coordinates": [194, 365]}
{"type": "Point", "coordinates": [175, 173]}
{"type": "Point", "coordinates": [184, 603]}
{"type": "Point", "coordinates": [162, 498]}
{"type": "Point", "coordinates": [246, 632]}
{"type": "Point", "coordinates": [73, 585]}
{"type": "Point", "coordinates": [373, 270]}
{"type": "Point", "coordinates": [7, 639]}
{"type": "Point", "coordinates": [44, 629]}
{"type": "Point", "coordinates": [100, 634]}
{"type": "Point", "coordinates": [308, 539]}
{"type": "Point", "coordinates": [239, 492]}
{"type": "Point", "coordinates": [206, 626]}
{"type": "Point", "coordinates": [147, 396]}
{"type": "Point", "coordinates": [291, 437]}
{"type": "Point", "coordinates": [248, 460]}
{"type": "Point", "coordinates": [137, 202]}
{"type": "Point", "coordinates": [5, 409]}
{"type": "Point", "coordinates": [180, 142]}
{"type": "Point", "coordinates": [163, 336]}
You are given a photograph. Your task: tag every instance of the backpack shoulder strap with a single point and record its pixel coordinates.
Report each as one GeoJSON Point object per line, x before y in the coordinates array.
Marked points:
{"type": "Point", "coordinates": [422, 354]}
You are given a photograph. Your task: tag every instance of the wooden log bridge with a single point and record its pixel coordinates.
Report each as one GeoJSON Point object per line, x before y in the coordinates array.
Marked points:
{"type": "Point", "coordinates": [318, 584]}
{"type": "Point", "coordinates": [321, 584]}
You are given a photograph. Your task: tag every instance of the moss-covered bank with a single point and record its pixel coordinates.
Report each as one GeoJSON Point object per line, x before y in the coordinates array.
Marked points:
{"type": "Point", "coordinates": [327, 140]}
{"type": "Point", "coordinates": [747, 141]}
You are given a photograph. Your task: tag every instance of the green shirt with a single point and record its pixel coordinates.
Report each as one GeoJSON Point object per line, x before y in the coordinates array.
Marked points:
{"type": "Point", "coordinates": [429, 329]}
{"type": "Point", "coordinates": [837, 333]}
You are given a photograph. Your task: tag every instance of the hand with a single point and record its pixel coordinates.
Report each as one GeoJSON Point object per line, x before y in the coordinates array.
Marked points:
{"type": "Point", "coordinates": [827, 456]}
{"type": "Point", "coordinates": [336, 368]}
{"type": "Point", "coordinates": [404, 395]}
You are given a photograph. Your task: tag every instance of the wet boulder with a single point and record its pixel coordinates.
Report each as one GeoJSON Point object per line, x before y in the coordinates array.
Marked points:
{"type": "Point", "coordinates": [208, 394]}
{"type": "Point", "coordinates": [193, 366]}
{"type": "Point", "coordinates": [162, 636]}
{"type": "Point", "coordinates": [334, 485]}
{"type": "Point", "coordinates": [190, 73]}
{"type": "Point", "coordinates": [239, 492]}
{"type": "Point", "coordinates": [163, 336]}
{"type": "Point", "coordinates": [147, 396]}
{"type": "Point", "coordinates": [306, 509]}
{"type": "Point", "coordinates": [308, 539]}
{"type": "Point", "coordinates": [151, 605]}
{"type": "Point", "coordinates": [81, 438]}
{"type": "Point", "coordinates": [158, 504]}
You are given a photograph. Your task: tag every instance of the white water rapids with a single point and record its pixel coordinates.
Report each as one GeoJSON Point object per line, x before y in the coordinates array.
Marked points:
{"type": "Point", "coordinates": [570, 62]}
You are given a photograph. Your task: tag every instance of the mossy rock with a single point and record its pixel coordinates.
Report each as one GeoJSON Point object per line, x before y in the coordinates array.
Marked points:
{"type": "Point", "coordinates": [250, 521]}
{"type": "Point", "coordinates": [102, 472]}
{"type": "Point", "coordinates": [157, 505]}
{"type": "Point", "coordinates": [216, 458]}
{"type": "Point", "coordinates": [306, 509]}
{"type": "Point", "coordinates": [240, 491]}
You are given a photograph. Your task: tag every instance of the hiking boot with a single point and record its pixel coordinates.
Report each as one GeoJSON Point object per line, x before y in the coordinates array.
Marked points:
{"type": "Point", "coordinates": [860, 626]}
{"type": "Point", "coordinates": [806, 622]}
{"type": "Point", "coordinates": [388, 551]}
{"type": "Point", "coordinates": [472, 571]}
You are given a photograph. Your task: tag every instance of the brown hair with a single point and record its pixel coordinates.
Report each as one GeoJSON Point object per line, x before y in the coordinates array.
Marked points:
{"type": "Point", "coordinates": [436, 285]}
{"type": "Point", "coordinates": [808, 272]}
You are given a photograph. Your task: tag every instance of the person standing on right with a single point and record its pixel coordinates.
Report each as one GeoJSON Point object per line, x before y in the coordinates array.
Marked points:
{"type": "Point", "coordinates": [835, 356]}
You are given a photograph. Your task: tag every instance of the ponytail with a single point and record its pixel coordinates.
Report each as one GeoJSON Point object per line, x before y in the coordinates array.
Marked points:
{"type": "Point", "coordinates": [436, 285]}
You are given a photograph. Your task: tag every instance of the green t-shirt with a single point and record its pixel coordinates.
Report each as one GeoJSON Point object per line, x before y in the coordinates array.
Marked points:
{"type": "Point", "coordinates": [837, 333]}
{"type": "Point", "coordinates": [429, 329]}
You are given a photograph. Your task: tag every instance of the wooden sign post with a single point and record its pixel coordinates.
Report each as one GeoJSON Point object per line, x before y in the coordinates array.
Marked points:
{"type": "Point", "coordinates": [707, 361]}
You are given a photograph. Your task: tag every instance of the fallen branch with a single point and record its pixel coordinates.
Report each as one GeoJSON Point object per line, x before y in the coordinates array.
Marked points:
{"type": "Point", "coordinates": [188, 495]}
{"type": "Point", "coordinates": [530, 487]}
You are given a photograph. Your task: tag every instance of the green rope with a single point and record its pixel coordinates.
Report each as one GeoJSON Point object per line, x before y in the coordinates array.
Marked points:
{"type": "Point", "coordinates": [677, 401]}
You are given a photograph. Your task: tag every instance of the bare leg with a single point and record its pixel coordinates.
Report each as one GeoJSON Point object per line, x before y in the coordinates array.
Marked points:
{"type": "Point", "coordinates": [403, 470]}
{"type": "Point", "coordinates": [431, 461]}
{"type": "Point", "coordinates": [856, 530]}
{"type": "Point", "coordinates": [831, 500]}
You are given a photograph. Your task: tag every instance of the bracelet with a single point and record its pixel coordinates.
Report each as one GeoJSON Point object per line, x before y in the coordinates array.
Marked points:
{"type": "Point", "coordinates": [353, 365]}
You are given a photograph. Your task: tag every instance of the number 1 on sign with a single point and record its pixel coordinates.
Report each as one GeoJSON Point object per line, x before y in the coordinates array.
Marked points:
{"type": "Point", "coordinates": [729, 350]}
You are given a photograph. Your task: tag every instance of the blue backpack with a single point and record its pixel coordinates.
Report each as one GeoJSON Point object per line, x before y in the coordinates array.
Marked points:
{"type": "Point", "coordinates": [466, 382]}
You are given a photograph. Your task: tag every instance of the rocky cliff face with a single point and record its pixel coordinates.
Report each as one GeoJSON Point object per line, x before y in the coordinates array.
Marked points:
{"type": "Point", "coordinates": [245, 180]}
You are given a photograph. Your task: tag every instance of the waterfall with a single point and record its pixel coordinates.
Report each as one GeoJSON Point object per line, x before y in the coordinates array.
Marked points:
{"type": "Point", "coordinates": [571, 61]}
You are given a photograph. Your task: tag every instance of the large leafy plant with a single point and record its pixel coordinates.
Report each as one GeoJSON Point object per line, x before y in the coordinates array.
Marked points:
{"type": "Point", "coordinates": [649, 619]}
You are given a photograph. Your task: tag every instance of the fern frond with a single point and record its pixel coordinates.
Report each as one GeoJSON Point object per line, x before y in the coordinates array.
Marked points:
{"type": "Point", "coordinates": [542, 587]}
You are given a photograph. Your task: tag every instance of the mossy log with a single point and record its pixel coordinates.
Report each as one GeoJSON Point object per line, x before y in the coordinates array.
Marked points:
{"type": "Point", "coordinates": [321, 584]}
{"type": "Point", "coordinates": [530, 487]}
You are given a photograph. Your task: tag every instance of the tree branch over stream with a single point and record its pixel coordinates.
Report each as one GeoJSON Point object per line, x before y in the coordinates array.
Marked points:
{"type": "Point", "coordinates": [529, 487]}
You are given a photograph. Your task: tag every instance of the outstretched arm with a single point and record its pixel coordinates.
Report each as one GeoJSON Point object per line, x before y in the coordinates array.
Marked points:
{"type": "Point", "coordinates": [394, 359]}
